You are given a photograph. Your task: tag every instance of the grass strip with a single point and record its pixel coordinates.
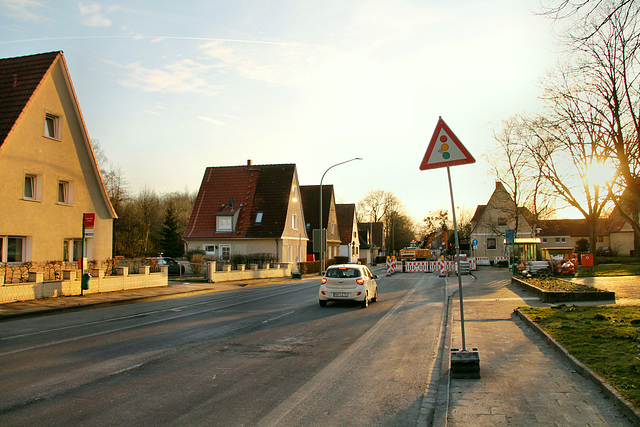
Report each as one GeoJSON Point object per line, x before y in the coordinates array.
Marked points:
{"type": "Point", "coordinates": [604, 338]}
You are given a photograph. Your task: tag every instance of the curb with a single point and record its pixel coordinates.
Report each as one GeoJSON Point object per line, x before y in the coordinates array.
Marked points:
{"type": "Point", "coordinates": [627, 408]}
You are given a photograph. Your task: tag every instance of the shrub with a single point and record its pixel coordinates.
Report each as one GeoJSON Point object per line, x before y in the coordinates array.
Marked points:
{"type": "Point", "coordinates": [193, 252]}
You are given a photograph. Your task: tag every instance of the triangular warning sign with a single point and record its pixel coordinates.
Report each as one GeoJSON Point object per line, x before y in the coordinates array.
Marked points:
{"type": "Point", "coordinates": [445, 149]}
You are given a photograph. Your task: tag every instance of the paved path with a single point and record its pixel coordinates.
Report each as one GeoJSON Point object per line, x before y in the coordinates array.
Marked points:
{"type": "Point", "coordinates": [524, 381]}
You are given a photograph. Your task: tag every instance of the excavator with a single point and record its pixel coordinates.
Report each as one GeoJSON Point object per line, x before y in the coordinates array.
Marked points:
{"type": "Point", "coordinates": [421, 250]}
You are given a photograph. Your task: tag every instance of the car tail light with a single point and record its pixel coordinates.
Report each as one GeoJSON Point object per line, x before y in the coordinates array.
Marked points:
{"type": "Point", "coordinates": [360, 281]}
{"type": "Point", "coordinates": [324, 280]}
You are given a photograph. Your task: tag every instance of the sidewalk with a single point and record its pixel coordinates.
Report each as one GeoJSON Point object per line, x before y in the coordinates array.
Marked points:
{"type": "Point", "coordinates": [524, 381]}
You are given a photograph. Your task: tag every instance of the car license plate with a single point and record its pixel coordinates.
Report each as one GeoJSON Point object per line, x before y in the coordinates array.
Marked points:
{"type": "Point", "coordinates": [340, 294]}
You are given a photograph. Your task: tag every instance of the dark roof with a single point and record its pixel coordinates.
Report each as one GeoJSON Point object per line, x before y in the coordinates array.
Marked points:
{"type": "Point", "coordinates": [249, 189]}
{"type": "Point", "coordinates": [570, 227]}
{"type": "Point", "coordinates": [19, 79]}
{"type": "Point", "coordinates": [310, 195]}
{"type": "Point", "coordinates": [345, 214]}
{"type": "Point", "coordinates": [364, 228]}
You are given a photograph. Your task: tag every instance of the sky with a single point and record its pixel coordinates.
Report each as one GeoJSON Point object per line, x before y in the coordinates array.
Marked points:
{"type": "Point", "coordinates": [169, 88]}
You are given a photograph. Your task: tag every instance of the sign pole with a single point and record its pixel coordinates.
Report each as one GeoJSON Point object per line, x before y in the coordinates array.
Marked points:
{"type": "Point", "coordinates": [455, 232]}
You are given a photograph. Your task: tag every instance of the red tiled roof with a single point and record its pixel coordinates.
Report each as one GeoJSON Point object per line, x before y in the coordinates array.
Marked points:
{"type": "Point", "coordinates": [345, 214]}
{"type": "Point", "coordinates": [570, 227]}
{"type": "Point", "coordinates": [19, 79]}
{"type": "Point", "coordinates": [249, 189]}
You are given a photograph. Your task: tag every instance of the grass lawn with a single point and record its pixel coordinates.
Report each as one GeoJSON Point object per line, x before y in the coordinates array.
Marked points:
{"type": "Point", "coordinates": [614, 266]}
{"type": "Point", "coordinates": [603, 338]}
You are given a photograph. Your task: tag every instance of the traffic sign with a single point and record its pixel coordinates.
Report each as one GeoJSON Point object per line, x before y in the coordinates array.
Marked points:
{"type": "Point", "coordinates": [475, 242]}
{"type": "Point", "coordinates": [445, 149]}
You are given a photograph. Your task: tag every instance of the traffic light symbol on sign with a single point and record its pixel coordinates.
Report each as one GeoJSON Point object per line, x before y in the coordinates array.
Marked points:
{"type": "Point", "coordinates": [444, 148]}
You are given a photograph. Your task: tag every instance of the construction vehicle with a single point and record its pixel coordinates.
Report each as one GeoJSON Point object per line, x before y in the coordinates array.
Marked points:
{"type": "Point", "coordinates": [421, 250]}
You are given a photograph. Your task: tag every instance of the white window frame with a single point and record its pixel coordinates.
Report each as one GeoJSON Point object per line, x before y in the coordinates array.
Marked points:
{"type": "Point", "coordinates": [71, 250]}
{"type": "Point", "coordinates": [52, 126]}
{"type": "Point", "coordinates": [224, 223]}
{"type": "Point", "coordinates": [294, 221]}
{"type": "Point", "coordinates": [66, 192]}
{"type": "Point", "coordinates": [35, 187]}
{"type": "Point", "coordinates": [209, 249]}
{"type": "Point", "coordinates": [4, 249]}
{"type": "Point", "coordinates": [225, 249]}
{"type": "Point", "coordinates": [259, 217]}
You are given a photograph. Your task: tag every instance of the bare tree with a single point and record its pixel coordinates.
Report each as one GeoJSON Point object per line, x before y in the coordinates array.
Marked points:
{"type": "Point", "coordinates": [605, 42]}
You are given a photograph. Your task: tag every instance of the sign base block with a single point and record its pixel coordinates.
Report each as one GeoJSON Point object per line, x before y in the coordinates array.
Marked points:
{"type": "Point", "coordinates": [465, 364]}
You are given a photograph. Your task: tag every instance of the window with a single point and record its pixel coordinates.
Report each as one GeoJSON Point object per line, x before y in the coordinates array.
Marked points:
{"type": "Point", "coordinates": [32, 187]}
{"type": "Point", "coordinates": [259, 218]}
{"type": "Point", "coordinates": [52, 126]}
{"type": "Point", "coordinates": [15, 249]}
{"type": "Point", "coordinates": [211, 249]}
{"type": "Point", "coordinates": [544, 240]}
{"type": "Point", "coordinates": [561, 240]}
{"type": "Point", "coordinates": [65, 193]}
{"type": "Point", "coordinates": [294, 222]}
{"type": "Point", "coordinates": [224, 223]}
{"type": "Point", "coordinates": [71, 250]}
{"type": "Point", "coordinates": [225, 252]}
{"type": "Point", "coordinates": [502, 221]}
{"type": "Point", "coordinates": [491, 243]}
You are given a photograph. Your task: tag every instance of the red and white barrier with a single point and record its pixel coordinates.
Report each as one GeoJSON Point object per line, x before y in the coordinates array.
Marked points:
{"type": "Point", "coordinates": [500, 259]}
{"type": "Point", "coordinates": [393, 266]}
{"type": "Point", "coordinates": [482, 260]}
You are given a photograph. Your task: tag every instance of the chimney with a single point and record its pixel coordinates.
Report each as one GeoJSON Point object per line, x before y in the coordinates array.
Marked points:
{"type": "Point", "coordinates": [249, 163]}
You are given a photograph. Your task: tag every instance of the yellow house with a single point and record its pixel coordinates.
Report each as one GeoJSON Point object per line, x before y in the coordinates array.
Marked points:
{"type": "Point", "coordinates": [49, 177]}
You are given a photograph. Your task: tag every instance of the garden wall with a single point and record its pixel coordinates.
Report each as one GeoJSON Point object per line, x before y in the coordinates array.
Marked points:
{"type": "Point", "coordinates": [37, 288]}
{"type": "Point", "coordinates": [242, 273]}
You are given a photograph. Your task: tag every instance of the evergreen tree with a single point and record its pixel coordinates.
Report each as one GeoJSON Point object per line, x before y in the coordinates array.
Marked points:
{"type": "Point", "coordinates": [171, 240]}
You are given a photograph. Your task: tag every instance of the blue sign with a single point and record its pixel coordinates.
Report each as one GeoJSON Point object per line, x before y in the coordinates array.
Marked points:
{"type": "Point", "coordinates": [474, 242]}
{"type": "Point", "coordinates": [510, 235]}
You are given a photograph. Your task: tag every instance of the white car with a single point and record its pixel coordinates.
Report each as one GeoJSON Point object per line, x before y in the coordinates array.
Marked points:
{"type": "Point", "coordinates": [348, 282]}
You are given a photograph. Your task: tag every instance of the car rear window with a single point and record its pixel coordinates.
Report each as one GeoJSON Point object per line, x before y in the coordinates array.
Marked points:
{"type": "Point", "coordinates": [342, 273]}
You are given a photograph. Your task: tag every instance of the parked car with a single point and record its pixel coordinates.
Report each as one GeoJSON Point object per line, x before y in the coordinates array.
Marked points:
{"type": "Point", "coordinates": [604, 251]}
{"type": "Point", "coordinates": [348, 282]}
{"type": "Point", "coordinates": [175, 268]}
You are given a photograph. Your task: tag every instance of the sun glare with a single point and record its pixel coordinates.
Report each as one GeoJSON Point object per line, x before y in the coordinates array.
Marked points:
{"type": "Point", "coordinates": [598, 174]}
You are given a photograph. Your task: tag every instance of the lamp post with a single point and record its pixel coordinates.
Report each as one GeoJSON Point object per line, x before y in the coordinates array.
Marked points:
{"type": "Point", "coordinates": [323, 238]}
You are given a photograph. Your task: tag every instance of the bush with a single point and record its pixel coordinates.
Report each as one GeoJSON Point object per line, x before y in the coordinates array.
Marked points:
{"type": "Point", "coordinates": [310, 267]}
{"type": "Point", "coordinates": [197, 263]}
{"type": "Point", "coordinates": [190, 254]}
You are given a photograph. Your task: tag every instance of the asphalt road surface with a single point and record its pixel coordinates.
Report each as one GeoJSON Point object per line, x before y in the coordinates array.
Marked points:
{"type": "Point", "coordinates": [264, 355]}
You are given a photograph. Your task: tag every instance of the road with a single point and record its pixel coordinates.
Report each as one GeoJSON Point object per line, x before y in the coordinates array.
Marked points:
{"type": "Point", "coordinates": [264, 355]}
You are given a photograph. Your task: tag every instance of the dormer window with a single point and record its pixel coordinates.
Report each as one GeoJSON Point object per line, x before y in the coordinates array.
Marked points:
{"type": "Point", "coordinates": [224, 223]}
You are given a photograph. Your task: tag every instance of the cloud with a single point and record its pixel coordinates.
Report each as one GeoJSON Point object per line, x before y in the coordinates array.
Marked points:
{"type": "Point", "coordinates": [93, 16]}
{"type": "Point", "coordinates": [23, 10]}
{"type": "Point", "coordinates": [215, 122]}
{"type": "Point", "coordinates": [185, 76]}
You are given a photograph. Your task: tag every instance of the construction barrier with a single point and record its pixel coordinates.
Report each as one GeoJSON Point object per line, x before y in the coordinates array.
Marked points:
{"type": "Point", "coordinates": [482, 260]}
{"type": "Point", "coordinates": [393, 265]}
{"type": "Point", "coordinates": [500, 258]}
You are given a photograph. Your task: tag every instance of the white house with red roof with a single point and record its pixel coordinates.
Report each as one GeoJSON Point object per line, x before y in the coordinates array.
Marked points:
{"type": "Point", "coordinates": [348, 228]}
{"type": "Point", "coordinates": [249, 209]}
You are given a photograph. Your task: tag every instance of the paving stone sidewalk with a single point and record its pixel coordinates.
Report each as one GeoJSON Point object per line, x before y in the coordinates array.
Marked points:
{"type": "Point", "coordinates": [524, 381]}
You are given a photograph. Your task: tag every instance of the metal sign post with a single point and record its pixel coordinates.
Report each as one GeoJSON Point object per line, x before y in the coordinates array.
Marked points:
{"type": "Point", "coordinates": [446, 150]}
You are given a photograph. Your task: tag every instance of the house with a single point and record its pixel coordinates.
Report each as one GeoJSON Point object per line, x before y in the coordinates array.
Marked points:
{"type": "Point", "coordinates": [490, 221]}
{"type": "Point", "coordinates": [560, 236]}
{"type": "Point", "coordinates": [311, 206]}
{"type": "Point", "coordinates": [49, 177]}
{"type": "Point", "coordinates": [371, 240]}
{"type": "Point", "coordinates": [348, 229]}
{"type": "Point", "coordinates": [249, 209]}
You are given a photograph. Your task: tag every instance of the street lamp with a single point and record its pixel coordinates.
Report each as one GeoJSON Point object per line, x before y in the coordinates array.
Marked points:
{"type": "Point", "coordinates": [323, 235]}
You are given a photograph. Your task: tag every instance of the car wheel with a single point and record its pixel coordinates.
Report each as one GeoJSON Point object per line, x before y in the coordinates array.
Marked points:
{"type": "Point", "coordinates": [182, 269]}
{"type": "Point", "coordinates": [365, 303]}
{"type": "Point", "coordinates": [375, 297]}
{"type": "Point", "coordinates": [322, 303]}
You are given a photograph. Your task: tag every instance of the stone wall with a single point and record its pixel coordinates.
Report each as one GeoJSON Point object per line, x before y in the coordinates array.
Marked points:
{"type": "Point", "coordinates": [242, 272]}
{"type": "Point", "coordinates": [70, 284]}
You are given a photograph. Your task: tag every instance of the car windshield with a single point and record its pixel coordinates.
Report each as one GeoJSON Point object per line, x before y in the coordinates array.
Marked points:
{"type": "Point", "coordinates": [342, 273]}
